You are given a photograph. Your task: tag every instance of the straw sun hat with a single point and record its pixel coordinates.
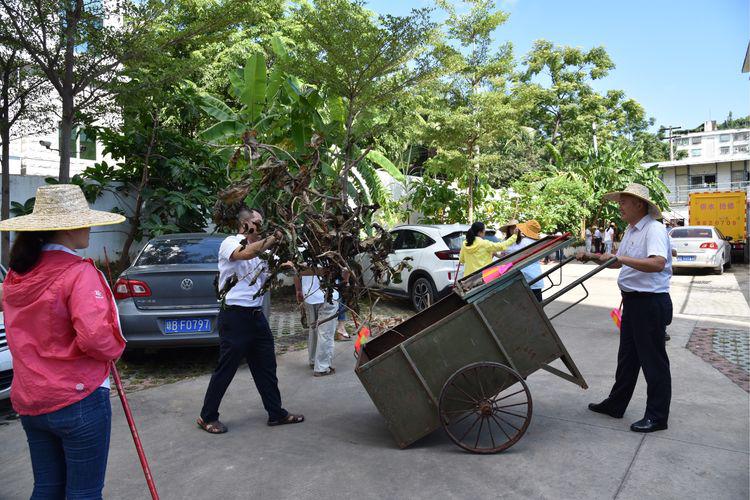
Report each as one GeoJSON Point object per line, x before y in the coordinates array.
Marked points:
{"type": "Point", "coordinates": [512, 222]}
{"type": "Point", "coordinates": [60, 207]}
{"type": "Point", "coordinates": [639, 191]}
{"type": "Point", "coordinates": [530, 229]}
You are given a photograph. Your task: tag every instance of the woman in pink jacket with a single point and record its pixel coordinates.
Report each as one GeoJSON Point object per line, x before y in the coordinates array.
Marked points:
{"type": "Point", "coordinates": [63, 331]}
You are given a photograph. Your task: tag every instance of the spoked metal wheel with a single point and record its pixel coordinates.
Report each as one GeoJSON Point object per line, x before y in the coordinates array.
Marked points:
{"type": "Point", "coordinates": [485, 407]}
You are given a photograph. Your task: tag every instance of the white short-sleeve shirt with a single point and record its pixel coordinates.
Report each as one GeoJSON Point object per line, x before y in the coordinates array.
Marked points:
{"type": "Point", "coordinates": [647, 238]}
{"type": "Point", "coordinates": [313, 293]}
{"type": "Point", "coordinates": [252, 274]}
{"type": "Point", "coordinates": [609, 234]}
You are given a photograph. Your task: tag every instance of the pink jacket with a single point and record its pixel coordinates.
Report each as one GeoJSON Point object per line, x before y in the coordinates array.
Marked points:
{"type": "Point", "coordinates": [62, 329]}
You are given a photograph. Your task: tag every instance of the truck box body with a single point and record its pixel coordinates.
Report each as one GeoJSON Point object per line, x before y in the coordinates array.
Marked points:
{"type": "Point", "coordinates": [725, 210]}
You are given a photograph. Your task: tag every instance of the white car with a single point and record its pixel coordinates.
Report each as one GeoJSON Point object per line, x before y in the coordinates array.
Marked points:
{"type": "Point", "coordinates": [700, 247]}
{"type": "Point", "coordinates": [433, 250]}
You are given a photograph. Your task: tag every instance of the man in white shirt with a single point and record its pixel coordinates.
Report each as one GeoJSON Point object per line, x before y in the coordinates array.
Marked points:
{"type": "Point", "coordinates": [243, 329]}
{"type": "Point", "coordinates": [609, 238]}
{"type": "Point", "coordinates": [597, 240]}
{"type": "Point", "coordinates": [645, 257]}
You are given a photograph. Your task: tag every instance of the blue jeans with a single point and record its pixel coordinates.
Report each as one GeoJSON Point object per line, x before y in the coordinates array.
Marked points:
{"type": "Point", "coordinates": [69, 448]}
{"type": "Point", "coordinates": [342, 311]}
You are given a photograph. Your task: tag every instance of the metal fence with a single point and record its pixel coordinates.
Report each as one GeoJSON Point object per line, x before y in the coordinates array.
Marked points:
{"type": "Point", "coordinates": [681, 194]}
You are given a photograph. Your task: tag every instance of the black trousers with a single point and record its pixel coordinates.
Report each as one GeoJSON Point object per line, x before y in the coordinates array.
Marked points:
{"type": "Point", "coordinates": [597, 245]}
{"type": "Point", "coordinates": [244, 335]}
{"type": "Point", "coordinates": [645, 317]}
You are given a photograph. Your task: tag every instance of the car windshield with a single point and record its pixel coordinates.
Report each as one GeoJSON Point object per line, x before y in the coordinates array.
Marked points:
{"type": "Point", "coordinates": [691, 232]}
{"type": "Point", "coordinates": [180, 251]}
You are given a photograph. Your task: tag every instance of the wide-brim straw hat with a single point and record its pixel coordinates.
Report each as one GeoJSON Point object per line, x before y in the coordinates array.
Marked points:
{"type": "Point", "coordinates": [639, 191]}
{"type": "Point", "coordinates": [512, 222]}
{"type": "Point", "coordinates": [60, 207]}
{"type": "Point", "coordinates": [530, 229]}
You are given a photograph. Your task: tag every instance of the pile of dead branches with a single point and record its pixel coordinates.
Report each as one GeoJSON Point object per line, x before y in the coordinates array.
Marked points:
{"type": "Point", "coordinates": [323, 231]}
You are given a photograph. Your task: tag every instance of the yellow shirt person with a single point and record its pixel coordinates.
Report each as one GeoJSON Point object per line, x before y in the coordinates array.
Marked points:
{"type": "Point", "coordinates": [476, 252]}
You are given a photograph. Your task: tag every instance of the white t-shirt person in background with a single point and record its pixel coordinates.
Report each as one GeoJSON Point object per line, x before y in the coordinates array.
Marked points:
{"type": "Point", "coordinates": [609, 238]}
{"type": "Point", "coordinates": [322, 316]}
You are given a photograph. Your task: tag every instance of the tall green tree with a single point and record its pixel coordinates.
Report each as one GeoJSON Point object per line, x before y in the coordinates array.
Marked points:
{"type": "Point", "coordinates": [369, 61]}
{"type": "Point", "coordinates": [555, 95]}
{"type": "Point", "coordinates": [472, 119]}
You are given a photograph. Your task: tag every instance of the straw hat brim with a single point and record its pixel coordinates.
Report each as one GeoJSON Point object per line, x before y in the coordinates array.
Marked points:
{"type": "Point", "coordinates": [512, 222]}
{"type": "Point", "coordinates": [61, 222]}
{"type": "Point", "coordinates": [527, 231]}
{"type": "Point", "coordinates": [653, 210]}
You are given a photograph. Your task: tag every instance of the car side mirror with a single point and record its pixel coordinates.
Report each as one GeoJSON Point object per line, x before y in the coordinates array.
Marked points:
{"type": "Point", "coordinates": [728, 238]}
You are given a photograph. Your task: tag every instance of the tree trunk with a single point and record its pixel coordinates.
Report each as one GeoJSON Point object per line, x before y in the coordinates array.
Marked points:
{"type": "Point", "coordinates": [66, 130]}
{"type": "Point", "coordinates": [5, 141]}
{"type": "Point", "coordinates": [5, 210]}
{"type": "Point", "coordinates": [471, 200]}
{"type": "Point", "coordinates": [135, 221]}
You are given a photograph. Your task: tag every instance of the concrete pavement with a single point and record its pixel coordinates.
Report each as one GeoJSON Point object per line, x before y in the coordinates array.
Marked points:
{"type": "Point", "coordinates": [343, 450]}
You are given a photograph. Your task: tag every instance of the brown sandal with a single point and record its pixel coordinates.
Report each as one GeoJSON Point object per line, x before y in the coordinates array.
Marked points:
{"type": "Point", "coordinates": [215, 427]}
{"type": "Point", "coordinates": [289, 419]}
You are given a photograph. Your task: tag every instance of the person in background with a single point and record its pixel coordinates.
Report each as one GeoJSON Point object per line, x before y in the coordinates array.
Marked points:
{"type": "Point", "coordinates": [597, 240]}
{"type": "Point", "coordinates": [63, 332]}
{"type": "Point", "coordinates": [321, 314]}
{"type": "Point", "coordinates": [341, 334]}
{"type": "Point", "coordinates": [587, 240]}
{"type": "Point", "coordinates": [509, 228]}
{"type": "Point", "coordinates": [609, 238]}
{"type": "Point", "coordinates": [527, 233]}
{"type": "Point", "coordinates": [476, 252]}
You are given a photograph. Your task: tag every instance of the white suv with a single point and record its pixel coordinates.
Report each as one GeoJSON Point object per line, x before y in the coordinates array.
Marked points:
{"type": "Point", "coordinates": [434, 253]}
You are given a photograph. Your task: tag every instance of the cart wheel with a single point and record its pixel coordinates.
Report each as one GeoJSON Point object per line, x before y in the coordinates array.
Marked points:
{"type": "Point", "coordinates": [485, 407]}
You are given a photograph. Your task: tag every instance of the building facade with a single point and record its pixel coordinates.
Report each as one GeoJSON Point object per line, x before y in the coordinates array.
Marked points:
{"type": "Point", "coordinates": [716, 160]}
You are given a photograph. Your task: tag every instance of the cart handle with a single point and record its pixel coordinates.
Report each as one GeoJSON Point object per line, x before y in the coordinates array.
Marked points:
{"type": "Point", "coordinates": [577, 282]}
{"type": "Point", "coordinates": [551, 270]}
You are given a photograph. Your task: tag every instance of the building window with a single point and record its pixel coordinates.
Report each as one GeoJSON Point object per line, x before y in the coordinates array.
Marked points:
{"type": "Point", "coordinates": [695, 152]}
{"type": "Point", "coordinates": [741, 149]}
{"type": "Point", "coordinates": [87, 145]}
{"type": "Point", "coordinates": [702, 180]}
{"type": "Point", "coordinates": [81, 145]}
{"type": "Point", "coordinates": [682, 142]}
{"type": "Point", "coordinates": [725, 137]}
{"type": "Point", "coordinates": [695, 140]}
{"type": "Point", "coordinates": [724, 150]}
{"type": "Point", "coordinates": [738, 173]}
{"type": "Point", "coordinates": [742, 136]}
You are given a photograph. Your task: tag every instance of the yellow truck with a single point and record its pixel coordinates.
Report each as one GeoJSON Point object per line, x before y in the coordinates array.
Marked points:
{"type": "Point", "coordinates": [727, 211]}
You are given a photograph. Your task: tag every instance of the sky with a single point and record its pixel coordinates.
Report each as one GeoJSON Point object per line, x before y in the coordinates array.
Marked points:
{"type": "Point", "coordinates": [682, 61]}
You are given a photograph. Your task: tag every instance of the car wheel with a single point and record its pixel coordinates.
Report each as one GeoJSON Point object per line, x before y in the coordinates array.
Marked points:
{"type": "Point", "coordinates": [422, 293]}
{"type": "Point", "coordinates": [729, 261]}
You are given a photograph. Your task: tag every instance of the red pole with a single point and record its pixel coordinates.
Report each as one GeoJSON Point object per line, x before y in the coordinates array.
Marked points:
{"type": "Point", "coordinates": [134, 432]}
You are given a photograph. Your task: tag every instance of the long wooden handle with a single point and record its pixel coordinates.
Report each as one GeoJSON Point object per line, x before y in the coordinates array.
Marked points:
{"type": "Point", "coordinates": [134, 432]}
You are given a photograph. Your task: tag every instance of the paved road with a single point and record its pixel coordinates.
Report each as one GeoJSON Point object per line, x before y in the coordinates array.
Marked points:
{"type": "Point", "coordinates": [344, 450]}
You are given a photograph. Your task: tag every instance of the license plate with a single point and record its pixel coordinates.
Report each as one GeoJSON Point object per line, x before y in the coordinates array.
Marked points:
{"type": "Point", "coordinates": [686, 258]}
{"type": "Point", "coordinates": [187, 325]}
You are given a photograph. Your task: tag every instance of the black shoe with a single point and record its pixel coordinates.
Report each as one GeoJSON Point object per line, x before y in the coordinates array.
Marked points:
{"type": "Point", "coordinates": [667, 337]}
{"type": "Point", "coordinates": [648, 425]}
{"type": "Point", "coordinates": [604, 409]}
